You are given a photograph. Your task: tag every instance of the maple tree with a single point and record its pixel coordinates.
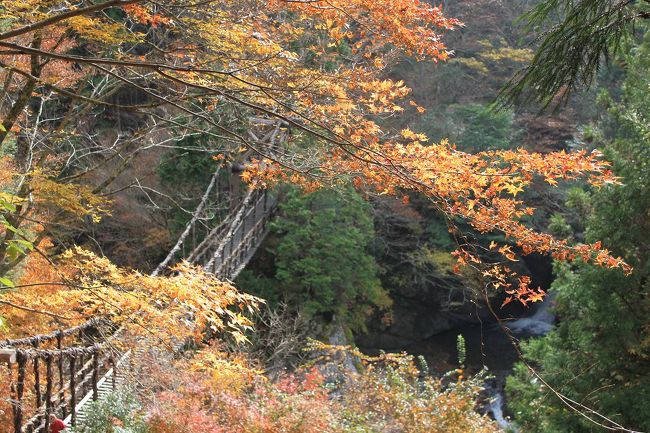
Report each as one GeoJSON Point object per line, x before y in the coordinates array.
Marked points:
{"type": "Point", "coordinates": [589, 357]}
{"type": "Point", "coordinates": [89, 88]}
{"type": "Point", "coordinates": [166, 308]}
{"type": "Point", "coordinates": [318, 66]}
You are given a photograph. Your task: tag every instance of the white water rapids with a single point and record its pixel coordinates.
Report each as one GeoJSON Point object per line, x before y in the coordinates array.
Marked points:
{"type": "Point", "coordinates": [539, 323]}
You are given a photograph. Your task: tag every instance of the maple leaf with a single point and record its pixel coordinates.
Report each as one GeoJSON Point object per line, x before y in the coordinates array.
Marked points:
{"type": "Point", "coordinates": [513, 189]}
{"type": "Point", "coordinates": [536, 296]}
{"type": "Point", "coordinates": [507, 300]}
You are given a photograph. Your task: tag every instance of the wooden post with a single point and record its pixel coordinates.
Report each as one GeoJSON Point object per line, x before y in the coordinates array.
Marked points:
{"type": "Point", "coordinates": [48, 390]}
{"type": "Point", "coordinates": [243, 226]}
{"type": "Point", "coordinates": [82, 362]}
{"type": "Point", "coordinates": [59, 345]}
{"type": "Point", "coordinates": [73, 391]}
{"type": "Point", "coordinates": [266, 199]}
{"type": "Point", "coordinates": [114, 366]}
{"type": "Point", "coordinates": [8, 356]}
{"type": "Point", "coordinates": [95, 377]}
{"type": "Point", "coordinates": [12, 384]}
{"type": "Point", "coordinates": [232, 238]}
{"type": "Point", "coordinates": [20, 387]}
{"type": "Point", "coordinates": [37, 379]}
{"type": "Point", "coordinates": [257, 202]}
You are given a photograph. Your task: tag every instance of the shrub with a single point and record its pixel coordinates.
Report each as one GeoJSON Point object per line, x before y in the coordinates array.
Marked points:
{"type": "Point", "coordinates": [119, 412]}
{"type": "Point", "coordinates": [217, 393]}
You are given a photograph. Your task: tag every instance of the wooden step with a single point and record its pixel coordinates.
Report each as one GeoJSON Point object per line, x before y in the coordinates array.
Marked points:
{"type": "Point", "coordinates": [104, 387]}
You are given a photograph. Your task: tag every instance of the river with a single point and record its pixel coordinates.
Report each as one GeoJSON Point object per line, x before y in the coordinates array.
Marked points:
{"type": "Point", "coordinates": [487, 345]}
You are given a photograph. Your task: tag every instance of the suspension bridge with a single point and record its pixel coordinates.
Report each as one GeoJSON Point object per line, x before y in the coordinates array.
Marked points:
{"type": "Point", "coordinates": [62, 372]}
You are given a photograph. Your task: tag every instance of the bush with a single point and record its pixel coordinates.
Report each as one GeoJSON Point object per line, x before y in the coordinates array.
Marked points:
{"type": "Point", "coordinates": [216, 393]}
{"type": "Point", "coordinates": [119, 412]}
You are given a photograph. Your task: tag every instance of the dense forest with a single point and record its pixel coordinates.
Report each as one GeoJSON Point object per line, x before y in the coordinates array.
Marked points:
{"type": "Point", "coordinates": [324, 215]}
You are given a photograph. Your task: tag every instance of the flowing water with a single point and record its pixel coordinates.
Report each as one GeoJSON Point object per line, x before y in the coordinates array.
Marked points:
{"type": "Point", "coordinates": [496, 408]}
{"type": "Point", "coordinates": [539, 323]}
{"type": "Point", "coordinates": [487, 345]}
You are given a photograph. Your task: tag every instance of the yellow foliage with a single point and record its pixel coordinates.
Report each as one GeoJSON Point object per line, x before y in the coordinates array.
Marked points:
{"type": "Point", "coordinates": [471, 63]}
{"type": "Point", "coordinates": [225, 372]}
{"type": "Point", "coordinates": [83, 285]}
{"type": "Point", "coordinates": [518, 55]}
{"type": "Point", "coordinates": [76, 200]}
{"type": "Point", "coordinates": [219, 393]}
{"type": "Point", "coordinates": [281, 60]}
{"type": "Point", "coordinates": [97, 30]}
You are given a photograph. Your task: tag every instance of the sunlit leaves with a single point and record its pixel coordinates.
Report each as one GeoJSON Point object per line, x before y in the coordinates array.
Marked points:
{"type": "Point", "coordinates": [319, 67]}
{"type": "Point", "coordinates": [481, 188]}
{"type": "Point", "coordinates": [219, 393]}
{"type": "Point", "coordinates": [172, 308]}
{"type": "Point", "coordinates": [77, 200]}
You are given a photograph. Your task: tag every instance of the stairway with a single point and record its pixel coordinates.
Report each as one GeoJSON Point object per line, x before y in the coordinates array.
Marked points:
{"type": "Point", "coordinates": [111, 380]}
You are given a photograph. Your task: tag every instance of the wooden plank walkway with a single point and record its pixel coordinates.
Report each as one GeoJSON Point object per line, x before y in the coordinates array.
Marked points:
{"type": "Point", "coordinates": [113, 379]}
{"type": "Point", "coordinates": [78, 368]}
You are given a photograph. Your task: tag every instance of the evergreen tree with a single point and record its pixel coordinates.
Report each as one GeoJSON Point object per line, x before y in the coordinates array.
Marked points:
{"type": "Point", "coordinates": [599, 353]}
{"type": "Point", "coordinates": [576, 37]}
{"type": "Point", "coordinates": [323, 265]}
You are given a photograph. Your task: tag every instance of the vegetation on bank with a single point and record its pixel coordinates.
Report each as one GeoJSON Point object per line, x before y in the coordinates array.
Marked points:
{"type": "Point", "coordinates": [598, 353]}
{"type": "Point", "coordinates": [214, 392]}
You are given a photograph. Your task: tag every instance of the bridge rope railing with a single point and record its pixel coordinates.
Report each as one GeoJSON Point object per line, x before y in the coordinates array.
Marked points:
{"type": "Point", "coordinates": [231, 253]}
{"type": "Point", "coordinates": [50, 375]}
{"type": "Point", "coordinates": [59, 372]}
{"type": "Point", "coordinates": [190, 225]}
{"type": "Point", "coordinates": [56, 335]}
{"type": "Point", "coordinates": [226, 248]}
{"type": "Point", "coordinates": [200, 251]}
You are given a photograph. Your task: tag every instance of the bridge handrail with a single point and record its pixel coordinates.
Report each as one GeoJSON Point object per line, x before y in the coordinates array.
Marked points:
{"type": "Point", "coordinates": [221, 261]}
{"type": "Point", "coordinates": [70, 381]}
{"type": "Point", "coordinates": [240, 254]}
{"type": "Point", "coordinates": [37, 339]}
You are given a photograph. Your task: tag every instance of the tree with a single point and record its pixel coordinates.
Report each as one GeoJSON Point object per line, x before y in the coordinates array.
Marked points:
{"type": "Point", "coordinates": [323, 265]}
{"type": "Point", "coordinates": [162, 71]}
{"type": "Point", "coordinates": [165, 72]}
{"type": "Point", "coordinates": [577, 36]}
{"type": "Point", "coordinates": [472, 127]}
{"type": "Point", "coordinates": [598, 353]}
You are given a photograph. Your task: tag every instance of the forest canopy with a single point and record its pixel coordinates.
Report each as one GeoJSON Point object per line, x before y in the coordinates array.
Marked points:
{"type": "Point", "coordinates": [174, 124]}
{"type": "Point", "coordinates": [178, 68]}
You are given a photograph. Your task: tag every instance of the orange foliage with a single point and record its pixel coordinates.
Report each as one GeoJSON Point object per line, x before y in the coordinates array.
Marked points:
{"type": "Point", "coordinates": [481, 188]}
{"type": "Point", "coordinates": [144, 16]}
{"type": "Point", "coordinates": [222, 394]}
{"type": "Point", "coordinates": [411, 25]}
{"type": "Point", "coordinates": [167, 308]}
{"type": "Point", "coordinates": [319, 67]}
